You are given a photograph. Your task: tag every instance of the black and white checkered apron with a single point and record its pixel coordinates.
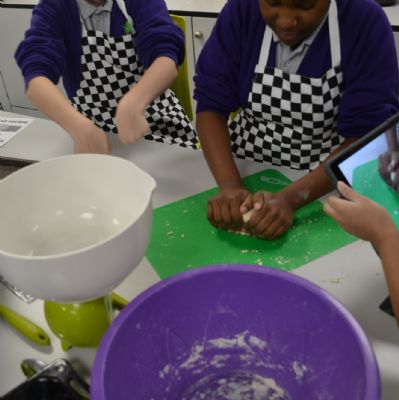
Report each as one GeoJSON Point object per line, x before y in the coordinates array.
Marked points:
{"type": "Point", "coordinates": [110, 67]}
{"type": "Point", "coordinates": [290, 119]}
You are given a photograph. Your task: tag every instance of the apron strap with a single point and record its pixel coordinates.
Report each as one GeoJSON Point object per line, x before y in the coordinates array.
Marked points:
{"type": "Point", "coordinates": [335, 44]}
{"type": "Point", "coordinates": [265, 49]}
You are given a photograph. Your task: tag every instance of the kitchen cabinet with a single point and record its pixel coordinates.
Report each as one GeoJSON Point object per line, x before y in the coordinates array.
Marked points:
{"type": "Point", "coordinates": [202, 28]}
{"type": "Point", "coordinates": [13, 24]}
{"type": "Point", "coordinates": [190, 57]}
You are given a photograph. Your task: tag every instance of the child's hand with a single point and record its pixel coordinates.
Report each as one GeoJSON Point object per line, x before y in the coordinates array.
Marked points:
{"type": "Point", "coordinates": [224, 208]}
{"type": "Point", "coordinates": [388, 168]}
{"type": "Point", "coordinates": [360, 216]}
{"type": "Point", "coordinates": [91, 139]}
{"type": "Point", "coordinates": [130, 120]}
{"type": "Point", "coordinates": [272, 215]}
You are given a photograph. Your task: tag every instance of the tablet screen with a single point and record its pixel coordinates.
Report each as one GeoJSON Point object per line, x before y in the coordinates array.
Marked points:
{"type": "Point", "coordinates": [371, 153]}
{"type": "Point", "coordinates": [371, 167]}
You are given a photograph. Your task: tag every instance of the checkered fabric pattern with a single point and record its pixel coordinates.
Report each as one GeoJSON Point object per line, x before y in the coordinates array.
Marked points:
{"type": "Point", "coordinates": [110, 67]}
{"type": "Point", "coordinates": [107, 65]}
{"type": "Point", "coordinates": [290, 119]}
{"type": "Point", "coordinates": [169, 123]}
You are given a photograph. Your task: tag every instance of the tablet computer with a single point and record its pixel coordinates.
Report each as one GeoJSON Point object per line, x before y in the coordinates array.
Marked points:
{"type": "Point", "coordinates": [371, 166]}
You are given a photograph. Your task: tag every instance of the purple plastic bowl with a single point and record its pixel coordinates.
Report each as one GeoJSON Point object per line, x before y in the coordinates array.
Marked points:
{"type": "Point", "coordinates": [235, 332]}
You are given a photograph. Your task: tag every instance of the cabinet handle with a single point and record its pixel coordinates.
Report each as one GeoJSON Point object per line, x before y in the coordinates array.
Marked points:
{"type": "Point", "coordinates": [198, 35]}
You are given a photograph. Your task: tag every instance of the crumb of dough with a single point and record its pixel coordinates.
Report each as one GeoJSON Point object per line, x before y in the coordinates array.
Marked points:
{"type": "Point", "coordinates": [243, 232]}
{"type": "Point", "coordinates": [247, 216]}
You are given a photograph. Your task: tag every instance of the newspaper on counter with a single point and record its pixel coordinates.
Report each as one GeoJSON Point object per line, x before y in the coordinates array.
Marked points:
{"type": "Point", "coordinates": [9, 127]}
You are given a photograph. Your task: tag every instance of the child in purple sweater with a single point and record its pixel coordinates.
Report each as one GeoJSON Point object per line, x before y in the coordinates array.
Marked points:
{"type": "Point", "coordinates": [308, 77]}
{"type": "Point", "coordinates": [117, 59]}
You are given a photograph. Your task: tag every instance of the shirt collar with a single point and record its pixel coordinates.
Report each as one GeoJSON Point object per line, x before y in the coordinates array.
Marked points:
{"type": "Point", "coordinates": [308, 41]}
{"type": "Point", "coordinates": [86, 9]}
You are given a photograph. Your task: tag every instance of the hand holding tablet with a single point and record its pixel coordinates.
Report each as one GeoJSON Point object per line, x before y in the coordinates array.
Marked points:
{"type": "Point", "coordinates": [370, 210]}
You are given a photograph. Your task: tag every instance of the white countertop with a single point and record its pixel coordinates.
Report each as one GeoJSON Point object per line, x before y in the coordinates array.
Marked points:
{"type": "Point", "coordinates": [392, 13]}
{"type": "Point", "coordinates": [352, 273]}
{"type": "Point", "coordinates": [207, 7]}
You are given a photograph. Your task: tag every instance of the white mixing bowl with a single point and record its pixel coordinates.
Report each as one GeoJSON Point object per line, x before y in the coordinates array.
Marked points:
{"type": "Point", "coordinates": [73, 227]}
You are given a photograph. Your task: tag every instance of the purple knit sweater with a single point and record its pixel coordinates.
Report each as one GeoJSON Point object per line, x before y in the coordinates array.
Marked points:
{"type": "Point", "coordinates": [368, 59]}
{"type": "Point", "coordinates": [52, 45]}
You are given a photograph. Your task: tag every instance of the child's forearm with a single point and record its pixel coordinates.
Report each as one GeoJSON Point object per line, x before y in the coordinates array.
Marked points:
{"type": "Point", "coordinates": [156, 79]}
{"type": "Point", "coordinates": [389, 254]}
{"type": "Point", "coordinates": [313, 185]}
{"type": "Point", "coordinates": [49, 99]}
{"type": "Point", "coordinates": [215, 143]}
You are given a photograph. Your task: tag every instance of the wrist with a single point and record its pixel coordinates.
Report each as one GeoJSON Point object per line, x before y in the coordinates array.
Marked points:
{"type": "Point", "coordinates": [134, 101]}
{"type": "Point", "coordinates": [82, 127]}
{"type": "Point", "coordinates": [285, 198]}
{"type": "Point", "coordinates": [231, 185]}
{"type": "Point", "coordinates": [386, 240]}
{"type": "Point", "coordinates": [78, 126]}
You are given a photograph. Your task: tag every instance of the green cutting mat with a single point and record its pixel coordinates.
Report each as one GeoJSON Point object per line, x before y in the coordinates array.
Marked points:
{"type": "Point", "coordinates": [182, 238]}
